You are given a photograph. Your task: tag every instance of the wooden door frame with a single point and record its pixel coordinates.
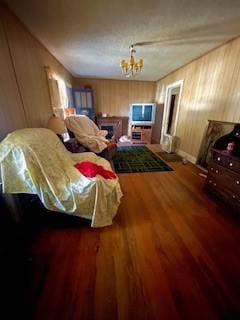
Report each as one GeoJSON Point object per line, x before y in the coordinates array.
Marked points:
{"type": "Point", "coordinates": [167, 104]}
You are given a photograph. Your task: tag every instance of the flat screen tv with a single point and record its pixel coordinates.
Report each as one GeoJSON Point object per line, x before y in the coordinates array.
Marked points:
{"type": "Point", "coordinates": [142, 114]}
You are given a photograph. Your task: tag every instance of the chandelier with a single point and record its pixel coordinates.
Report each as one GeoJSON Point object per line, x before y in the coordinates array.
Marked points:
{"type": "Point", "coordinates": [132, 67]}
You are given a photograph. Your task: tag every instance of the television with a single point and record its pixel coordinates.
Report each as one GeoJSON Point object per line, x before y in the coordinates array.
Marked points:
{"type": "Point", "coordinates": [142, 114]}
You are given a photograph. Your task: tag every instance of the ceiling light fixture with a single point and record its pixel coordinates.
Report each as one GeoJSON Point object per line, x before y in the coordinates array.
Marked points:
{"type": "Point", "coordinates": [131, 68]}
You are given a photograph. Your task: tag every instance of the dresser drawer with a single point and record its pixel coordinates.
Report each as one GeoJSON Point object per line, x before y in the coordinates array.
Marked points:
{"type": "Point", "coordinates": [214, 168]}
{"type": "Point", "coordinates": [223, 191]}
{"type": "Point", "coordinates": [225, 176]}
{"type": "Point", "coordinates": [226, 161]}
{"type": "Point", "coordinates": [230, 197]}
{"type": "Point", "coordinates": [215, 182]}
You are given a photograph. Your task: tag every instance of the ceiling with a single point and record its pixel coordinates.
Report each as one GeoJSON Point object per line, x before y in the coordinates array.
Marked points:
{"type": "Point", "coordinates": [90, 37]}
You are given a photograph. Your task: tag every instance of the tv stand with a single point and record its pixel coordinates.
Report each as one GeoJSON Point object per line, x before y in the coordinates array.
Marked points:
{"type": "Point", "coordinates": [141, 134]}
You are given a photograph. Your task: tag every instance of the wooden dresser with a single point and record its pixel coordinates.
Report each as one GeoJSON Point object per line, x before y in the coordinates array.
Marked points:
{"type": "Point", "coordinates": [223, 177]}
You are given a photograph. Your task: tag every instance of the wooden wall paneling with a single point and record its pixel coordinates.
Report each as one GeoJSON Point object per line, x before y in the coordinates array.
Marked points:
{"type": "Point", "coordinates": [12, 115]}
{"type": "Point", "coordinates": [99, 92]}
{"type": "Point", "coordinates": [115, 96]}
{"type": "Point", "coordinates": [232, 59]}
{"type": "Point", "coordinates": [56, 67]}
{"type": "Point", "coordinates": [27, 71]}
{"type": "Point", "coordinates": [29, 59]}
{"type": "Point", "coordinates": [111, 97]}
{"type": "Point", "coordinates": [105, 97]}
{"type": "Point", "coordinates": [223, 83]}
{"type": "Point", "coordinates": [234, 100]}
{"type": "Point", "coordinates": [141, 91]}
{"type": "Point", "coordinates": [211, 91]}
{"type": "Point", "coordinates": [193, 116]}
{"type": "Point", "coordinates": [159, 99]}
{"type": "Point", "coordinates": [156, 129]}
{"type": "Point", "coordinates": [121, 98]}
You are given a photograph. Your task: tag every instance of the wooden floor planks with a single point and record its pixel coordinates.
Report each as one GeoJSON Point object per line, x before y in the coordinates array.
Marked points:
{"type": "Point", "coordinates": [172, 253]}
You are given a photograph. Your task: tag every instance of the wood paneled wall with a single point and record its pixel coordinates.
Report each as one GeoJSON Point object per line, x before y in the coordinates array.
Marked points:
{"type": "Point", "coordinates": [211, 91]}
{"type": "Point", "coordinates": [24, 95]}
{"type": "Point", "coordinates": [211, 87]}
{"type": "Point", "coordinates": [115, 96]}
{"type": "Point", "coordinates": [156, 129]}
{"type": "Point", "coordinates": [11, 107]}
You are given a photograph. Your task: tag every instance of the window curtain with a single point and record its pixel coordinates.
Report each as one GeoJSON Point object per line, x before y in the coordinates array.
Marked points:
{"type": "Point", "coordinates": [58, 93]}
{"type": "Point", "coordinates": [69, 95]}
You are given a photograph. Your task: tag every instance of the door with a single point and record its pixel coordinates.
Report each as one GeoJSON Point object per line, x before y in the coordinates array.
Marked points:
{"type": "Point", "coordinates": [171, 109]}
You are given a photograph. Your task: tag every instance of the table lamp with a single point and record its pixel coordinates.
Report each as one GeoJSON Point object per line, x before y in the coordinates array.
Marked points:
{"type": "Point", "coordinates": [56, 124]}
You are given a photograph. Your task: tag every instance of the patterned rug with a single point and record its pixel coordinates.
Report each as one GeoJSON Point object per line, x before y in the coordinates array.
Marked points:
{"type": "Point", "coordinates": [130, 159]}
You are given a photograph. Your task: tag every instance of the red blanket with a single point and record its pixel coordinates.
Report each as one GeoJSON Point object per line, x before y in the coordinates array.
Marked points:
{"type": "Point", "coordinates": [90, 169]}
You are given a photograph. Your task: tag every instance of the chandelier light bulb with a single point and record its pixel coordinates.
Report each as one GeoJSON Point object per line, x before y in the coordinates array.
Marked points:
{"type": "Point", "coordinates": [132, 67]}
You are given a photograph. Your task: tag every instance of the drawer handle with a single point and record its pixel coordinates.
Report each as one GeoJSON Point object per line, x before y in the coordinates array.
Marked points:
{"type": "Point", "coordinates": [218, 158]}
{"type": "Point", "coordinates": [211, 168]}
{"type": "Point", "coordinates": [230, 164]}
{"type": "Point", "coordinates": [237, 181]}
{"type": "Point", "coordinates": [234, 197]}
{"type": "Point", "coordinates": [210, 181]}
{"type": "Point", "coordinates": [216, 171]}
{"type": "Point", "coordinates": [214, 184]}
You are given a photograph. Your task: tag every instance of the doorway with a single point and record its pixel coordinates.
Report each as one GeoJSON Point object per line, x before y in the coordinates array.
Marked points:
{"type": "Point", "coordinates": [171, 109]}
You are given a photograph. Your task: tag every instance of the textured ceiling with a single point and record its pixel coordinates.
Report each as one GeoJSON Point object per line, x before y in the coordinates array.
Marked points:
{"type": "Point", "coordinates": [89, 37]}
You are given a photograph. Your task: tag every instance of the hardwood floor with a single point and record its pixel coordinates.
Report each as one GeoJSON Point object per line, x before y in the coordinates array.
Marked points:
{"type": "Point", "coordinates": [172, 253]}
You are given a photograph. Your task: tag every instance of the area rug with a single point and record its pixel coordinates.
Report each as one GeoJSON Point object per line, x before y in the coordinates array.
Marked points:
{"type": "Point", "coordinates": [131, 159]}
{"type": "Point", "coordinates": [169, 157]}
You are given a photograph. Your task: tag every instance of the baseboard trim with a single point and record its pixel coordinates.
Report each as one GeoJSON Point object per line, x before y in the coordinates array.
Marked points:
{"type": "Point", "coordinates": [186, 155]}
{"type": "Point", "coordinates": [203, 169]}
